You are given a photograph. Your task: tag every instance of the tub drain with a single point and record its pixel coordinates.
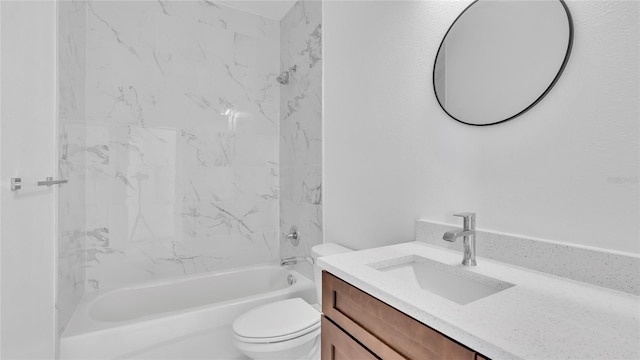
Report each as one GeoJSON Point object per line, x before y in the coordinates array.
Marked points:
{"type": "Point", "coordinates": [291, 280]}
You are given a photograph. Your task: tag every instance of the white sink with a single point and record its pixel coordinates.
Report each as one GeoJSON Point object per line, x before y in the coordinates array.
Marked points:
{"type": "Point", "coordinates": [456, 283]}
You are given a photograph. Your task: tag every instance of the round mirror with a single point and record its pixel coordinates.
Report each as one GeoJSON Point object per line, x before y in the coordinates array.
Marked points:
{"type": "Point", "coordinates": [501, 57]}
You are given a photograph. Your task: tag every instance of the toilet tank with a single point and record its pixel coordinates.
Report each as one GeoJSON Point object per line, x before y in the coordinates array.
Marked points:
{"type": "Point", "coordinates": [319, 251]}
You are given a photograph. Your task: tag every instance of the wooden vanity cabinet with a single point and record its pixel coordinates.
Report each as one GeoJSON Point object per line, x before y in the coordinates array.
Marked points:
{"type": "Point", "coordinates": [337, 344]}
{"type": "Point", "coordinates": [356, 325]}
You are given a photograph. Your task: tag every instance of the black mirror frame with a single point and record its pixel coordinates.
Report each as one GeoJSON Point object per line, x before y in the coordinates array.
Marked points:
{"type": "Point", "coordinates": [536, 101]}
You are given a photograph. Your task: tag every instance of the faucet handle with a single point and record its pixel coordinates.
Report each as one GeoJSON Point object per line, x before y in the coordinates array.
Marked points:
{"type": "Point", "coordinates": [466, 215]}
{"type": "Point", "coordinates": [469, 220]}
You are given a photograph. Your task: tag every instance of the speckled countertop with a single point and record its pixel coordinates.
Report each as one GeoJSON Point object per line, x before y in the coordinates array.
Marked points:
{"type": "Point", "coordinates": [542, 317]}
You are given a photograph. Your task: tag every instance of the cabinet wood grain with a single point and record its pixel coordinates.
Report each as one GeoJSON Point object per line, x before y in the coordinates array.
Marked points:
{"type": "Point", "coordinates": [337, 345]}
{"type": "Point", "coordinates": [384, 330]}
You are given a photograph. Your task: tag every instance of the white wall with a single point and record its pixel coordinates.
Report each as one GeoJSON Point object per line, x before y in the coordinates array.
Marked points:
{"type": "Point", "coordinates": [1, 176]}
{"type": "Point", "coordinates": [27, 240]}
{"type": "Point", "coordinates": [567, 170]}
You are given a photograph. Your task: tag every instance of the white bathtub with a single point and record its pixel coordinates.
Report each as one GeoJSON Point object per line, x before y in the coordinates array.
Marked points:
{"type": "Point", "coordinates": [190, 317]}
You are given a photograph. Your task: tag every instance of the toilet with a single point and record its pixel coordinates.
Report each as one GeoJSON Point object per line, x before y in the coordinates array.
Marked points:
{"type": "Point", "coordinates": [286, 329]}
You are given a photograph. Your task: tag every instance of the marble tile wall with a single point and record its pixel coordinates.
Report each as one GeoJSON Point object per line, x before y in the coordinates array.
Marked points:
{"type": "Point", "coordinates": [301, 127]}
{"type": "Point", "coordinates": [181, 141]}
{"type": "Point", "coordinates": [71, 166]}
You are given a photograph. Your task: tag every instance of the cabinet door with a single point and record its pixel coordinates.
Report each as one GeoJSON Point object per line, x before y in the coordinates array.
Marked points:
{"type": "Point", "coordinates": [337, 345]}
{"type": "Point", "coordinates": [383, 329]}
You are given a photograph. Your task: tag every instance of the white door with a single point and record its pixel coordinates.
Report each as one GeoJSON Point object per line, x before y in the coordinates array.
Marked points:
{"type": "Point", "coordinates": [27, 150]}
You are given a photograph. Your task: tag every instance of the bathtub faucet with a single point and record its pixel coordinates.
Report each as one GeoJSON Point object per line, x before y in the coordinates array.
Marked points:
{"type": "Point", "coordinates": [294, 260]}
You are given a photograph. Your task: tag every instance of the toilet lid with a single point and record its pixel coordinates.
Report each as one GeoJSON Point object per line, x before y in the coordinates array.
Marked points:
{"type": "Point", "coordinates": [283, 320]}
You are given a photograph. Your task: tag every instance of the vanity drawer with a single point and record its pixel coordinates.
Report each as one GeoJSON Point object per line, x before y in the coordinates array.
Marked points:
{"type": "Point", "coordinates": [384, 330]}
{"type": "Point", "coordinates": [338, 345]}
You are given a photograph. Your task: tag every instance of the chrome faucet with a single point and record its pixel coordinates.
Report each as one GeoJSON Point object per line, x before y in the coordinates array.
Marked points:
{"type": "Point", "coordinates": [289, 261]}
{"type": "Point", "coordinates": [294, 260]}
{"type": "Point", "coordinates": [469, 237]}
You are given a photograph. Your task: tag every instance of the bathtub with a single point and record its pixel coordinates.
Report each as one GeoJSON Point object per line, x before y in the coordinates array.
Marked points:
{"type": "Point", "coordinates": [188, 317]}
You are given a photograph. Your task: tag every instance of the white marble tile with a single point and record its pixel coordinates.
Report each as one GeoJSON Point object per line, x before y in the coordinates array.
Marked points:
{"type": "Point", "coordinates": [97, 232]}
{"type": "Point", "coordinates": [293, 213]}
{"type": "Point", "coordinates": [301, 139]}
{"type": "Point", "coordinates": [250, 52]}
{"type": "Point", "coordinates": [257, 182]}
{"type": "Point", "coordinates": [175, 185]}
{"type": "Point", "coordinates": [302, 184]}
{"type": "Point", "coordinates": [237, 217]}
{"type": "Point", "coordinates": [308, 219]}
{"type": "Point", "coordinates": [199, 68]}
{"type": "Point", "coordinates": [254, 96]}
{"type": "Point", "coordinates": [316, 224]}
{"type": "Point", "coordinates": [71, 64]}
{"type": "Point", "coordinates": [97, 150]}
{"type": "Point", "coordinates": [310, 181]}
{"type": "Point", "coordinates": [300, 148]}
{"type": "Point", "coordinates": [301, 32]}
{"type": "Point", "coordinates": [257, 248]}
{"type": "Point", "coordinates": [286, 182]}
{"type": "Point", "coordinates": [71, 165]}
{"type": "Point", "coordinates": [118, 269]}
{"type": "Point", "coordinates": [256, 150]}
{"type": "Point", "coordinates": [221, 17]}
{"type": "Point", "coordinates": [304, 92]}
{"type": "Point", "coordinates": [216, 183]}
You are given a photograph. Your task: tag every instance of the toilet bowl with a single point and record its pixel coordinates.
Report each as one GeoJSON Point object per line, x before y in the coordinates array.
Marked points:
{"type": "Point", "coordinates": [286, 329]}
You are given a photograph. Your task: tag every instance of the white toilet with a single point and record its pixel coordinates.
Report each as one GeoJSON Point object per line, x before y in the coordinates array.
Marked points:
{"type": "Point", "coordinates": [286, 329]}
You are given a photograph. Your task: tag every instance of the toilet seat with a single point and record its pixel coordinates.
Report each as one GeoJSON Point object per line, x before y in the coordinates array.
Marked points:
{"type": "Point", "coordinates": [277, 338]}
{"type": "Point", "coordinates": [277, 322]}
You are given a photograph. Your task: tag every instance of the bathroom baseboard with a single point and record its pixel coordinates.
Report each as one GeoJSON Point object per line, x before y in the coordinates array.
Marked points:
{"type": "Point", "coordinates": [614, 270]}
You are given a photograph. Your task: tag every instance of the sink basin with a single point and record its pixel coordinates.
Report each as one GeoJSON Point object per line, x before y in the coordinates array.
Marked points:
{"type": "Point", "coordinates": [455, 283]}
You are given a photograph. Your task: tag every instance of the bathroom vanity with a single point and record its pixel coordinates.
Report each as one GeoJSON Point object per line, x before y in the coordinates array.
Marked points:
{"type": "Point", "coordinates": [356, 325]}
{"type": "Point", "coordinates": [416, 301]}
